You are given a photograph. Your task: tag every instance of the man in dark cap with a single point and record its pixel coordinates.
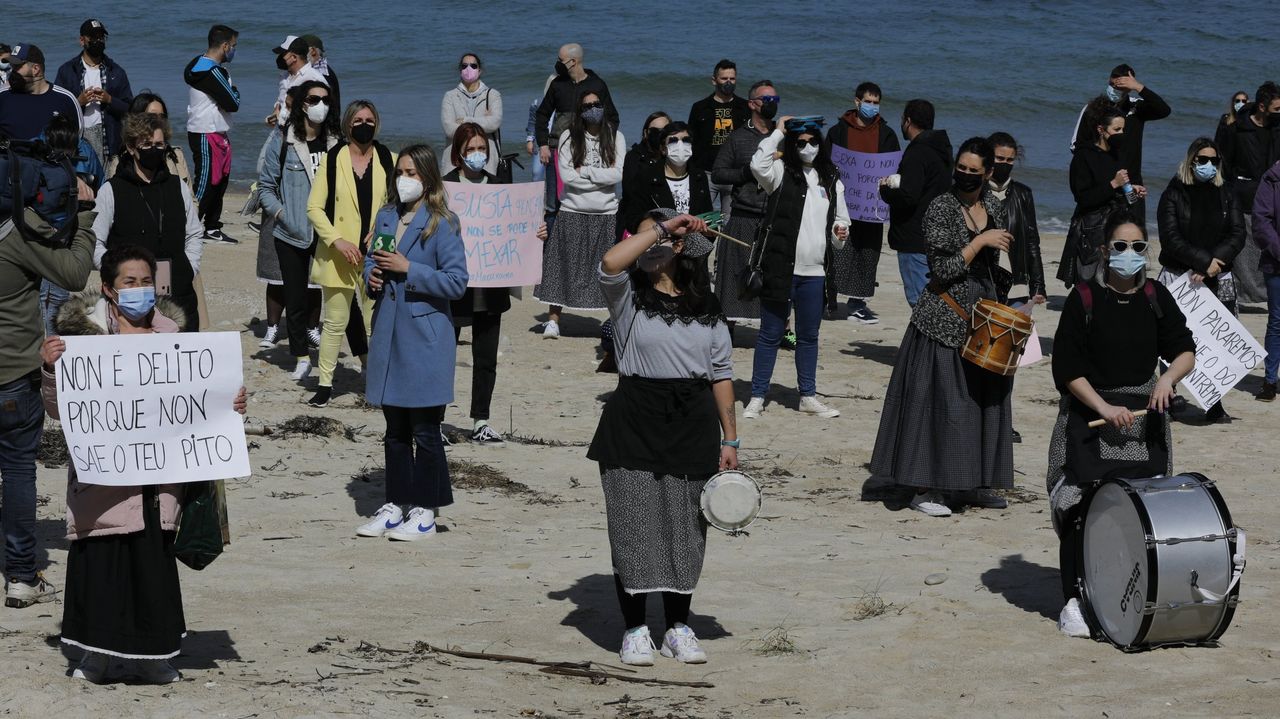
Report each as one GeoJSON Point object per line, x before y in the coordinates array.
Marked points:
{"type": "Point", "coordinates": [31, 100]}
{"type": "Point", "coordinates": [316, 56]}
{"type": "Point", "coordinates": [291, 57]}
{"type": "Point", "coordinates": [101, 88]}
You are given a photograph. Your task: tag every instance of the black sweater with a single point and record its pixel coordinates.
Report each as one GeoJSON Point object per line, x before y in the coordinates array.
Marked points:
{"type": "Point", "coordinates": [562, 99]}
{"type": "Point", "coordinates": [1150, 108]}
{"type": "Point", "coordinates": [710, 122]}
{"type": "Point", "coordinates": [926, 173]}
{"type": "Point", "coordinates": [1092, 170]}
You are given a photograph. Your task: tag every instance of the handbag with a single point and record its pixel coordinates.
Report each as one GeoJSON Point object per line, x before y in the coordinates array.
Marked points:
{"type": "Point", "coordinates": [203, 528]}
{"type": "Point", "coordinates": [751, 280]}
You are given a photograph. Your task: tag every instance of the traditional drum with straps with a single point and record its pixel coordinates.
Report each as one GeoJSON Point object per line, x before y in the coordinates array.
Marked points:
{"type": "Point", "coordinates": [997, 335]}
{"type": "Point", "coordinates": [730, 501]}
{"type": "Point", "coordinates": [1161, 561]}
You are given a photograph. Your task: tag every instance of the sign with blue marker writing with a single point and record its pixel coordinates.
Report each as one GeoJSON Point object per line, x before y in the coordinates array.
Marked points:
{"type": "Point", "coordinates": [499, 230]}
{"type": "Point", "coordinates": [152, 409]}
{"type": "Point", "coordinates": [861, 172]}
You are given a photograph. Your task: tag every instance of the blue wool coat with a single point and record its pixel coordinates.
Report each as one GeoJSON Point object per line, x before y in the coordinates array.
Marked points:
{"type": "Point", "coordinates": [412, 349]}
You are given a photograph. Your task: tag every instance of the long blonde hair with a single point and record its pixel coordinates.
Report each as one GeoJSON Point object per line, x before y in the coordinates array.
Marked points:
{"type": "Point", "coordinates": [428, 167]}
{"type": "Point", "coordinates": [1186, 171]}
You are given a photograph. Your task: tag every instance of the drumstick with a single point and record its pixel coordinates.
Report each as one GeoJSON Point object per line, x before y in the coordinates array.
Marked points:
{"type": "Point", "coordinates": [723, 236]}
{"type": "Point", "coordinates": [1099, 422]}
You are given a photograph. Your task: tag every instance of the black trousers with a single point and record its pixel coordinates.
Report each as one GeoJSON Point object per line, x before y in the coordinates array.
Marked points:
{"type": "Point", "coordinates": [295, 269]}
{"type": "Point", "coordinates": [486, 331]}
{"type": "Point", "coordinates": [675, 606]}
{"type": "Point", "coordinates": [1070, 542]}
{"type": "Point", "coordinates": [417, 469]}
{"type": "Point", "coordinates": [208, 195]}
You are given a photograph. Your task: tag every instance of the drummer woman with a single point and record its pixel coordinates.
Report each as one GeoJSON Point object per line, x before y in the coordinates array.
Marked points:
{"type": "Point", "coordinates": [946, 430]}
{"type": "Point", "coordinates": [669, 426]}
{"type": "Point", "coordinates": [1112, 331]}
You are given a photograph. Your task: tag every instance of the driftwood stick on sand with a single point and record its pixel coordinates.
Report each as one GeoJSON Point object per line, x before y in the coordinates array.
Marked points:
{"type": "Point", "coordinates": [572, 669]}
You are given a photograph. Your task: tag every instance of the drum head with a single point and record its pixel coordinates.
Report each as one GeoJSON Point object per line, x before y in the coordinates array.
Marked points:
{"type": "Point", "coordinates": [1115, 562]}
{"type": "Point", "coordinates": [730, 501]}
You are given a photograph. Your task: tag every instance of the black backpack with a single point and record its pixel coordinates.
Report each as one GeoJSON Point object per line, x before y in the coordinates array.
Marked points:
{"type": "Point", "coordinates": [37, 177]}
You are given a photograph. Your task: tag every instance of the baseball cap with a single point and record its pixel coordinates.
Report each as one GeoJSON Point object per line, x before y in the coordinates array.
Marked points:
{"type": "Point", "coordinates": [91, 27]}
{"type": "Point", "coordinates": [314, 41]}
{"type": "Point", "coordinates": [293, 44]}
{"type": "Point", "coordinates": [26, 52]}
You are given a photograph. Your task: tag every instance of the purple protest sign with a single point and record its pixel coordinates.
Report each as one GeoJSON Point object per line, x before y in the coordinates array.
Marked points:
{"type": "Point", "coordinates": [861, 172]}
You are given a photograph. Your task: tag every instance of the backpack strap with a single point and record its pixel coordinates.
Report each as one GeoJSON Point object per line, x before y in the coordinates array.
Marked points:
{"type": "Point", "coordinates": [1086, 298]}
{"type": "Point", "coordinates": [1149, 289]}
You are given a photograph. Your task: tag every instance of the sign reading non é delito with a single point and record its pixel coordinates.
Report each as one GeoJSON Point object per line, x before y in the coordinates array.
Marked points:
{"type": "Point", "coordinates": [152, 409]}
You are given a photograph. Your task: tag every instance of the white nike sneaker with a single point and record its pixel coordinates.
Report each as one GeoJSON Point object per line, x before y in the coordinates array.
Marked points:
{"type": "Point", "coordinates": [1071, 622]}
{"type": "Point", "coordinates": [420, 523]}
{"type": "Point", "coordinates": [387, 518]}
{"type": "Point", "coordinates": [754, 408]}
{"type": "Point", "coordinates": [679, 642]}
{"type": "Point", "coordinates": [637, 647]}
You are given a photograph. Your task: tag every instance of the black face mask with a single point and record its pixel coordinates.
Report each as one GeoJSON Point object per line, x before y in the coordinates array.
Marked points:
{"type": "Point", "coordinates": [562, 70]}
{"type": "Point", "coordinates": [727, 88]}
{"type": "Point", "coordinates": [280, 63]}
{"type": "Point", "coordinates": [768, 110]}
{"type": "Point", "coordinates": [97, 49]}
{"type": "Point", "coordinates": [362, 133]}
{"type": "Point", "coordinates": [1273, 119]}
{"type": "Point", "coordinates": [1116, 142]}
{"type": "Point", "coordinates": [966, 181]}
{"type": "Point", "coordinates": [1001, 171]}
{"type": "Point", "coordinates": [151, 159]}
{"type": "Point", "coordinates": [651, 139]}
{"type": "Point", "coordinates": [17, 83]}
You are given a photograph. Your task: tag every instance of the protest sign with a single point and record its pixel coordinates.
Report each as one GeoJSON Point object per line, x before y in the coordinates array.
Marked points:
{"type": "Point", "coordinates": [152, 409]}
{"type": "Point", "coordinates": [861, 172]}
{"type": "Point", "coordinates": [499, 229]}
{"type": "Point", "coordinates": [1225, 351]}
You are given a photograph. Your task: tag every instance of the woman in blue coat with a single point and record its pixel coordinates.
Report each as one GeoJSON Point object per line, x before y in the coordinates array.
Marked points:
{"type": "Point", "coordinates": [411, 351]}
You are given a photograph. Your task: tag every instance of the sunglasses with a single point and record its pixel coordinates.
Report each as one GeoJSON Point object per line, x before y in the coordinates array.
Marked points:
{"type": "Point", "coordinates": [591, 105]}
{"type": "Point", "coordinates": [316, 99]}
{"type": "Point", "coordinates": [673, 140]}
{"type": "Point", "coordinates": [1139, 246]}
{"type": "Point", "coordinates": [465, 65]}
{"type": "Point", "coordinates": [768, 98]}
{"type": "Point", "coordinates": [812, 141]}
{"type": "Point", "coordinates": [1206, 160]}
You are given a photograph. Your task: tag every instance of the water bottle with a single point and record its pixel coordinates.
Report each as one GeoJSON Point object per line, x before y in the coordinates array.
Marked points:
{"type": "Point", "coordinates": [1130, 194]}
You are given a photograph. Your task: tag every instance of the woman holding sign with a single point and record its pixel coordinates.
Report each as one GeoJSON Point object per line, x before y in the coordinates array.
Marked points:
{"type": "Point", "coordinates": [122, 600]}
{"type": "Point", "coordinates": [1201, 230]}
{"type": "Point", "coordinates": [417, 268]}
{"type": "Point", "coordinates": [1113, 331]}
{"type": "Point", "coordinates": [481, 308]}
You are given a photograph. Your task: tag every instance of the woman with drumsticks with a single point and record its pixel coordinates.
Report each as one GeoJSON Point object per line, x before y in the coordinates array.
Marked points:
{"type": "Point", "coordinates": [946, 430]}
{"type": "Point", "coordinates": [1112, 331]}
{"type": "Point", "coordinates": [667, 428]}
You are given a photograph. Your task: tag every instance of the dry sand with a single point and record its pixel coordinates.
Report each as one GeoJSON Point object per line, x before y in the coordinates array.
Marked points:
{"type": "Point", "coordinates": [822, 611]}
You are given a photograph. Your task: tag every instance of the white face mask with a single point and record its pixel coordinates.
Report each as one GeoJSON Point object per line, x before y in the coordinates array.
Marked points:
{"type": "Point", "coordinates": [408, 188]}
{"type": "Point", "coordinates": [808, 154]}
{"type": "Point", "coordinates": [317, 112]}
{"type": "Point", "coordinates": [679, 154]}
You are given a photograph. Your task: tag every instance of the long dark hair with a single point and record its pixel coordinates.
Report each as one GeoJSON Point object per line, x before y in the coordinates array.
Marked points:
{"type": "Point", "coordinates": [331, 126]}
{"type": "Point", "coordinates": [1100, 111]}
{"type": "Point", "coordinates": [691, 279]}
{"type": "Point", "coordinates": [578, 134]}
{"type": "Point", "coordinates": [647, 143]}
{"type": "Point", "coordinates": [822, 163]}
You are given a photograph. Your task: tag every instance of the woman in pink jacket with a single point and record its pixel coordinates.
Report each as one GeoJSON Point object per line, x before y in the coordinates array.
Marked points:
{"type": "Point", "coordinates": [122, 602]}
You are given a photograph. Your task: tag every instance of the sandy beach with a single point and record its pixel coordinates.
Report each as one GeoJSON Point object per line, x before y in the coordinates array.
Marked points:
{"type": "Point", "coordinates": [822, 610]}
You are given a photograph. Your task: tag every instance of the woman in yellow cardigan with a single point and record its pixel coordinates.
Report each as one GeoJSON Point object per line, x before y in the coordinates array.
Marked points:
{"type": "Point", "coordinates": [345, 196]}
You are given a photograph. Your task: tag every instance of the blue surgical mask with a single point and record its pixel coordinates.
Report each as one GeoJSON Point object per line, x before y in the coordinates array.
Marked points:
{"type": "Point", "coordinates": [136, 302]}
{"type": "Point", "coordinates": [867, 111]}
{"type": "Point", "coordinates": [476, 160]}
{"type": "Point", "coordinates": [1205, 172]}
{"type": "Point", "coordinates": [593, 116]}
{"type": "Point", "coordinates": [1127, 263]}
{"type": "Point", "coordinates": [1113, 94]}
{"type": "Point", "coordinates": [5, 67]}
{"type": "Point", "coordinates": [1238, 105]}
{"type": "Point", "coordinates": [231, 54]}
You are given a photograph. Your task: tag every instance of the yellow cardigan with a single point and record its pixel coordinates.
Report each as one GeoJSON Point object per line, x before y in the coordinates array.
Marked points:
{"type": "Point", "coordinates": [330, 268]}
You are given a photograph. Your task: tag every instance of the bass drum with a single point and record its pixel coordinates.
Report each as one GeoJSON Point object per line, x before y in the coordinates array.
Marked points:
{"type": "Point", "coordinates": [1161, 561]}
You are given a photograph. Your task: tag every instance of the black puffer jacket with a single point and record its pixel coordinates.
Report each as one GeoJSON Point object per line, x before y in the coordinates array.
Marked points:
{"type": "Point", "coordinates": [1248, 151]}
{"type": "Point", "coordinates": [926, 173]}
{"type": "Point", "coordinates": [1024, 253]}
{"type": "Point", "coordinates": [1179, 251]}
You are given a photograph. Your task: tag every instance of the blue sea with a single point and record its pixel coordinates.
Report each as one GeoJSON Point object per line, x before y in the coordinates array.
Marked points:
{"type": "Point", "coordinates": [1024, 67]}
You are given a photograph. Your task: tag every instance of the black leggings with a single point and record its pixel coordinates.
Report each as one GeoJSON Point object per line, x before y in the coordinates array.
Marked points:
{"type": "Point", "coordinates": [295, 269]}
{"type": "Point", "coordinates": [1070, 542]}
{"type": "Point", "coordinates": [486, 331]}
{"type": "Point", "coordinates": [675, 606]}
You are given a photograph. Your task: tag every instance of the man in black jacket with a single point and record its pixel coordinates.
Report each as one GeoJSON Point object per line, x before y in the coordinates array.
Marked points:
{"type": "Point", "coordinates": [923, 174]}
{"type": "Point", "coordinates": [572, 79]}
{"type": "Point", "coordinates": [100, 86]}
{"type": "Point", "coordinates": [1249, 147]}
{"type": "Point", "coordinates": [711, 119]}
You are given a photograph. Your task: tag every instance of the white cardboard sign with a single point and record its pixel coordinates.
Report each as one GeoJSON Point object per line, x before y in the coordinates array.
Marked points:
{"type": "Point", "coordinates": [1225, 351]}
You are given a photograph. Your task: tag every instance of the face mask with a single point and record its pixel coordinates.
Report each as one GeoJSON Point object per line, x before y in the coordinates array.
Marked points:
{"type": "Point", "coordinates": [1127, 263]}
{"type": "Point", "coordinates": [808, 153]}
{"type": "Point", "coordinates": [652, 137]}
{"type": "Point", "coordinates": [5, 66]}
{"type": "Point", "coordinates": [476, 161]}
{"type": "Point", "coordinates": [409, 189]}
{"type": "Point", "coordinates": [362, 133]}
{"type": "Point", "coordinates": [562, 70]}
{"type": "Point", "coordinates": [768, 110]}
{"type": "Point", "coordinates": [281, 64]}
{"type": "Point", "coordinates": [17, 83]}
{"type": "Point", "coordinates": [1113, 94]}
{"type": "Point", "coordinates": [1115, 141]}
{"type": "Point", "coordinates": [678, 154]}
{"type": "Point", "coordinates": [470, 75]}
{"type": "Point", "coordinates": [231, 54]}
{"type": "Point", "coordinates": [1238, 105]}
{"type": "Point", "coordinates": [867, 111]}
{"type": "Point", "coordinates": [151, 159]}
{"type": "Point", "coordinates": [593, 116]}
{"type": "Point", "coordinates": [136, 302]}
{"type": "Point", "coordinates": [1001, 171]}
{"type": "Point", "coordinates": [727, 88]}
{"type": "Point", "coordinates": [282, 119]}
{"type": "Point", "coordinates": [1205, 172]}
{"type": "Point", "coordinates": [655, 257]}
{"type": "Point", "coordinates": [966, 181]}
{"type": "Point", "coordinates": [96, 48]}
{"type": "Point", "coordinates": [317, 112]}
{"type": "Point", "coordinates": [1273, 120]}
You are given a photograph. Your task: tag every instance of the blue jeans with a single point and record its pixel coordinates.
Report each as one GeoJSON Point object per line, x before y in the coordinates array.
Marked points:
{"type": "Point", "coordinates": [806, 293]}
{"type": "Point", "coordinates": [1272, 340]}
{"type": "Point", "coordinates": [21, 423]}
{"type": "Point", "coordinates": [914, 268]}
{"type": "Point", "coordinates": [51, 299]}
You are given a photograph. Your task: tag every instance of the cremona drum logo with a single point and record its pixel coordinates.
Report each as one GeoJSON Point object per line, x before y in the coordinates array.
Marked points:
{"type": "Point", "coordinates": [1131, 590]}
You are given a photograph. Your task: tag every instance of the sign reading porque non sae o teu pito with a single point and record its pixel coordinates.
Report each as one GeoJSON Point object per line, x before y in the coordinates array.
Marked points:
{"type": "Point", "coordinates": [152, 409]}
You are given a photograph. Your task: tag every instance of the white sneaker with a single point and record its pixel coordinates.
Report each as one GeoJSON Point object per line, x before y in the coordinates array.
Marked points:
{"type": "Point", "coordinates": [550, 330]}
{"type": "Point", "coordinates": [484, 434]}
{"type": "Point", "coordinates": [637, 647]}
{"type": "Point", "coordinates": [812, 405]}
{"type": "Point", "coordinates": [93, 668]}
{"type": "Point", "coordinates": [270, 337]}
{"type": "Point", "coordinates": [1071, 622]}
{"type": "Point", "coordinates": [754, 408]}
{"type": "Point", "coordinates": [679, 642]}
{"type": "Point", "coordinates": [155, 671]}
{"type": "Point", "coordinates": [19, 595]}
{"type": "Point", "coordinates": [388, 517]}
{"type": "Point", "coordinates": [301, 370]}
{"type": "Point", "coordinates": [420, 523]}
{"type": "Point", "coordinates": [930, 503]}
